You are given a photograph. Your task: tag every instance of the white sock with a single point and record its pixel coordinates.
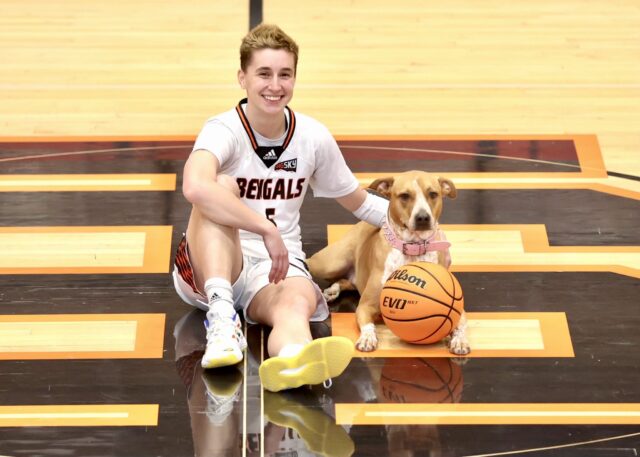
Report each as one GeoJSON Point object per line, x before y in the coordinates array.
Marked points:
{"type": "Point", "coordinates": [220, 295]}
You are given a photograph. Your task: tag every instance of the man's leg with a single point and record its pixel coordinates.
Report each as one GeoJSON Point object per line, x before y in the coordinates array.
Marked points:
{"type": "Point", "coordinates": [286, 307]}
{"type": "Point", "coordinates": [216, 258]}
{"type": "Point", "coordinates": [296, 359]}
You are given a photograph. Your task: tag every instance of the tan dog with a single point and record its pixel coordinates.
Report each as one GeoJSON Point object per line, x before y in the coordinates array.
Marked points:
{"type": "Point", "coordinates": [365, 257]}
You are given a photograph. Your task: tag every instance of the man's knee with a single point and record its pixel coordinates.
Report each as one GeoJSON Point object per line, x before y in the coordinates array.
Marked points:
{"type": "Point", "coordinates": [296, 304]}
{"type": "Point", "coordinates": [230, 183]}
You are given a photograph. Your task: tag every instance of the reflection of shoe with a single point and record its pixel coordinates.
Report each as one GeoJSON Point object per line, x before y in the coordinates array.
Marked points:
{"type": "Point", "coordinates": [223, 390]}
{"type": "Point", "coordinates": [318, 361]}
{"type": "Point", "coordinates": [225, 342]}
{"type": "Point", "coordinates": [319, 431]}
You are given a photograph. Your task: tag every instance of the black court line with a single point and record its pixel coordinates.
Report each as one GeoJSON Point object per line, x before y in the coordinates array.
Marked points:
{"type": "Point", "coordinates": [255, 13]}
{"type": "Point", "coordinates": [622, 175]}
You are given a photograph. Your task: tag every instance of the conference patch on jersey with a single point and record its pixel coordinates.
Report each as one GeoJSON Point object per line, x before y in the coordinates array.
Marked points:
{"type": "Point", "coordinates": [287, 165]}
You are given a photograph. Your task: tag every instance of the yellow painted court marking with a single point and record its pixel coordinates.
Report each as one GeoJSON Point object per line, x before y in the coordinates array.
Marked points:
{"type": "Point", "coordinates": [488, 413]}
{"type": "Point", "coordinates": [81, 336]}
{"type": "Point", "coordinates": [524, 247]}
{"type": "Point", "coordinates": [87, 182]}
{"type": "Point", "coordinates": [490, 335]}
{"type": "Point", "coordinates": [84, 250]}
{"type": "Point", "coordinates": [78, 415]}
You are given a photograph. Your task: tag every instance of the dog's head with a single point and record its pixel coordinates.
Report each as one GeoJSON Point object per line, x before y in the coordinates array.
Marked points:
{"type": "Point", "coordinates": [415, 199]}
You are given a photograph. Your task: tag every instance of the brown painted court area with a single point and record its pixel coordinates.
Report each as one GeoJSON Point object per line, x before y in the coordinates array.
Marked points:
{"type": "Point", "coordinates": [531, 108]}
{"type": "Point", "coordinates": [97, 348]}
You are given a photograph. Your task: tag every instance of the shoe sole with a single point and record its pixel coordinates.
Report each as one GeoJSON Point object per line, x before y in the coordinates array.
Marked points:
{"type": "Point", "coordinates": [318, 361]}
{"type": "Point", "coordinates": [230, 359]}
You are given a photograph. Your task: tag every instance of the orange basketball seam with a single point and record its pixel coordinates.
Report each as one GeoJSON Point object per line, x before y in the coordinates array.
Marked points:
{"type": "Point", "coordinates": [415, 264]}
{"type": "Point", "coordinates": [454, 281]}
{"type": "Point", "coordinates": [453, 299]}
{"type": "Point", "coordinates": [418, 318]}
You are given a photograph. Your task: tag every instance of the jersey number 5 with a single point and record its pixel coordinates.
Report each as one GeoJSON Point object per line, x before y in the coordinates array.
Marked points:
{"type": "Point", "coordinates": [271, 213]}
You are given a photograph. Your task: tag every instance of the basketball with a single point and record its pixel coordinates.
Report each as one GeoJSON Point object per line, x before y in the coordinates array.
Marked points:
{"type": "Point", "coordinates": [421, 302]}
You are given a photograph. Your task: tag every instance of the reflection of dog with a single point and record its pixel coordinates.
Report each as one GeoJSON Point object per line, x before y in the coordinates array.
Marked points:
{"type": "Point", "coordinates": [367, 255]}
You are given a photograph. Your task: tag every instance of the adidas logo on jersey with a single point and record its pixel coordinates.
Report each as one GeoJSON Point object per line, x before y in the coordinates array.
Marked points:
{"type": "Point", "coordinates": [271, 155]}
{"type": "Point", "coordinates": [287, 165]}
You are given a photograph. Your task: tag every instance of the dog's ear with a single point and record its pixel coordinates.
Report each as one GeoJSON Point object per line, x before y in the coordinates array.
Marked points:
{"type": "Point", "coordinates": [447, 187]}
{"type": "Point", "coordinates": [382, 186]}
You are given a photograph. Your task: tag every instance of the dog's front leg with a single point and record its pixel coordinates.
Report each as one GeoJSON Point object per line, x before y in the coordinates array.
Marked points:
{"type": "Point", "coordinates": [367, 313]}
{"type": "Point", "coordinates": [458, 342]}
{"type": "Point", "coordinates": [368, 340]}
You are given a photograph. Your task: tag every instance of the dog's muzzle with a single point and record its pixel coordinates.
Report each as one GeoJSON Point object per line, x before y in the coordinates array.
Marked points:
{"type": "Point", "coordinates": [422, 221]}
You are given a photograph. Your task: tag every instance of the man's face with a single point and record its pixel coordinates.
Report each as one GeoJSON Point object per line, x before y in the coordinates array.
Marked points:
{"type": "Point", "coordinates": [269, 80]}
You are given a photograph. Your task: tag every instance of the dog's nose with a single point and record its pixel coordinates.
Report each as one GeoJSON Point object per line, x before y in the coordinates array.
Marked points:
{"type": "Point", "coordinates": [423, 220]}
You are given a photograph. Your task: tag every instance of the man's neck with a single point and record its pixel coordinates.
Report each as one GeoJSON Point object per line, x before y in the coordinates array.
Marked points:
{"type": "Point", "coordinates": [272, 127]}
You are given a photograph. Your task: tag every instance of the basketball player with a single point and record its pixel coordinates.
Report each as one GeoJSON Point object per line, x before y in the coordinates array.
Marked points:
{"type": "Point", "coordinates": [246, 179]}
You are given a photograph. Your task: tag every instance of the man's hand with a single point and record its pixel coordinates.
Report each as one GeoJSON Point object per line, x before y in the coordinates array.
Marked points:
{"type": "Point", "coordinates": [278, 253]}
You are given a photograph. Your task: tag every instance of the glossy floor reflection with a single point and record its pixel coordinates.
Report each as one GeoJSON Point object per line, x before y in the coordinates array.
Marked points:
{"type": "Point", "coordinates": [587, 404]}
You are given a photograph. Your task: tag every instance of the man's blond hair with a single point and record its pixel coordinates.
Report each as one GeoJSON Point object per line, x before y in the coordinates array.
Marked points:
{"type": "Point", "coordinates": [266, 36]}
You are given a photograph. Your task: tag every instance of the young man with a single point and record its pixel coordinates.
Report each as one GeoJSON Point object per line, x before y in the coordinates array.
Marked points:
{"type": "Point", "coordinates": [246, 179]}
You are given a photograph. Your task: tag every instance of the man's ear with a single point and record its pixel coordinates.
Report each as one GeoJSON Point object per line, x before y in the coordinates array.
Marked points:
{"type": "Point", "coordinates": [448, 188]}
{"type": "Point", "coordinates": [241, 78]}
{"type": "Point", "coordinates": [383, 186]}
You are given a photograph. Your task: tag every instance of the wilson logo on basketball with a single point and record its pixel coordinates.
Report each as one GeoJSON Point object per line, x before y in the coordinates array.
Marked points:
{"type": "Point", "coordinates": [402, 275]}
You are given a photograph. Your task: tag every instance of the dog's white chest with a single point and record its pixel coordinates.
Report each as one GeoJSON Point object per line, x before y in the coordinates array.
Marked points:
{"type": "Point", "coordinates": [396, 259]}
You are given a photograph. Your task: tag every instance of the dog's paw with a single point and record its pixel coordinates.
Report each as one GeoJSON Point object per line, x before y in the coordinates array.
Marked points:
{"type": "Point", "coordinates": [368, 341]}
{"type": "Point", "coordinates": [331, 293]}
{"type": "Point", "coordinates": [458, 343]}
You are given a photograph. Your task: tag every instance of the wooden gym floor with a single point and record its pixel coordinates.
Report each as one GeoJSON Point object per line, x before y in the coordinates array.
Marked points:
{"type": "Point", "coordinates": [532, 108]}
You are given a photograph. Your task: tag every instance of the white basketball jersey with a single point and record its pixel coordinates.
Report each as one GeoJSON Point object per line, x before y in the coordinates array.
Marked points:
{"type": "Point", "coordinates": [274, 175]}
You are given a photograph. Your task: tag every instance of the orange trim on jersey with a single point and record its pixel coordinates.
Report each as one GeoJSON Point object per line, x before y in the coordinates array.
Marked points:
{"type": "Point", "coordinates": [292, 128]}
{"type": "Point", "coordinates": [247, 127]}
{"type": "Point", "coordinates": [185, 270]}
{"type": "Point", "coordinates": [249, 130]}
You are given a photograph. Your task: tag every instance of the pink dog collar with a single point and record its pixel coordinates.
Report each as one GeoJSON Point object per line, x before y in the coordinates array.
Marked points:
{"type": "Point", "coordinates": [415, 248]}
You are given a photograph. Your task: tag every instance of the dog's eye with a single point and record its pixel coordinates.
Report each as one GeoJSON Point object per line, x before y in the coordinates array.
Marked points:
{"type": "Point", "coordinates": [404, 196]}
{"type": "Point", "coordinates": [433, 195]}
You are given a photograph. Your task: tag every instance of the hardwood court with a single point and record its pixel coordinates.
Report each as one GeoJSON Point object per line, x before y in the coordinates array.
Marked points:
{"type": "Point", "coordinates": [531, 109]}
